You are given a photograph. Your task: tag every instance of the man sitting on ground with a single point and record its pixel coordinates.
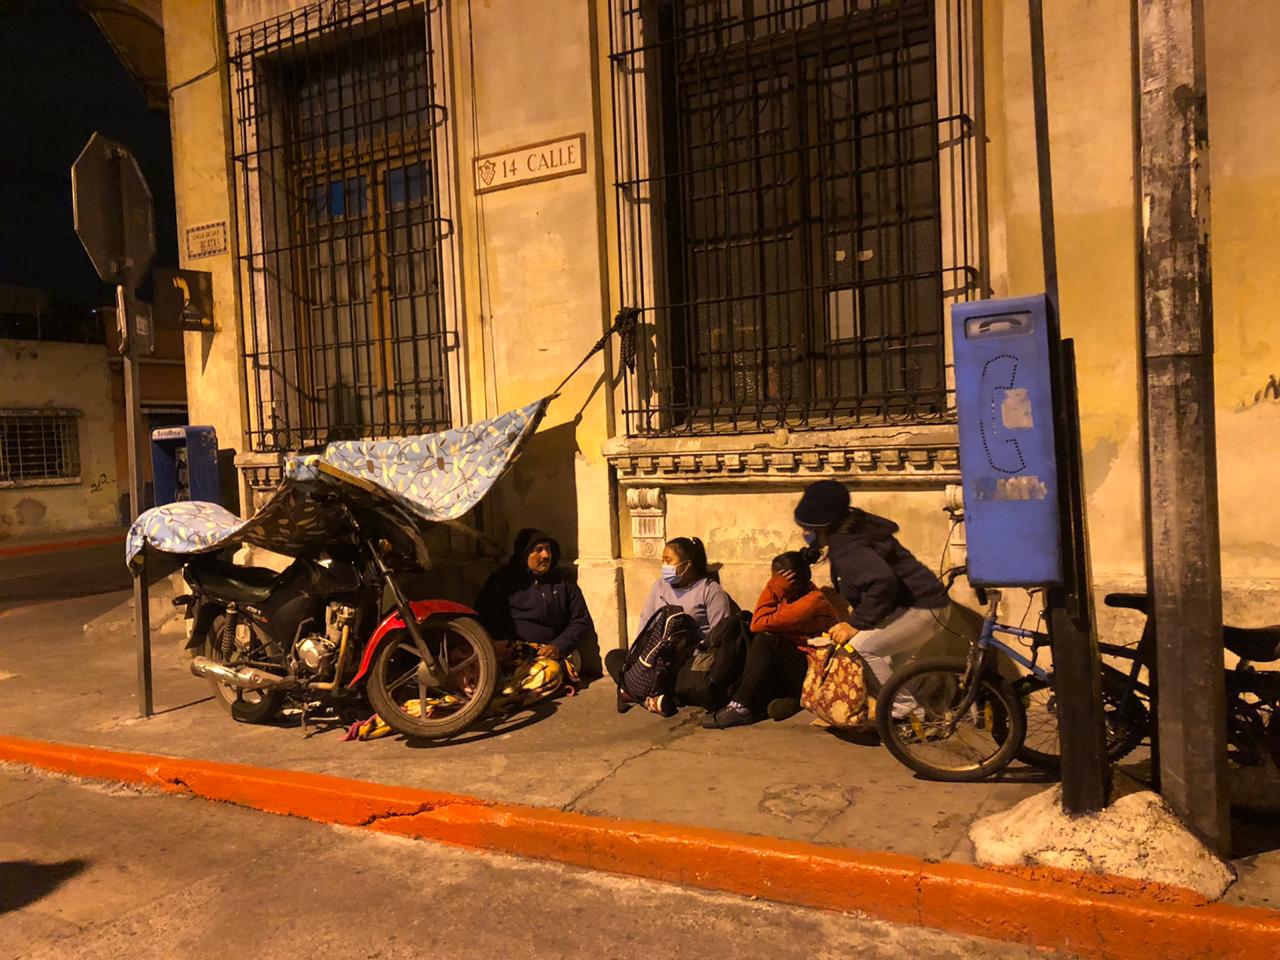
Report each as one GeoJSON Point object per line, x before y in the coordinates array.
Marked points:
{"type": "Point", "coordinates": [537, 617]}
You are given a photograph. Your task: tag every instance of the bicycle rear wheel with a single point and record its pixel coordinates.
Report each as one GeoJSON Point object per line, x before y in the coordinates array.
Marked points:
{"type": "Point", "coordinates": [920, 725]}
{"type": "Point", "coordinates": [1253, 754]}
{"type": "Point", "coordinates": [1126, 718]}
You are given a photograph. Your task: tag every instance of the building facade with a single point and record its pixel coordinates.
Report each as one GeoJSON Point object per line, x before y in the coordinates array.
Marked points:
{"type": "Point", "coordinates": [419, 214]}
{"type": "Point", "coordinates": [57, 439]}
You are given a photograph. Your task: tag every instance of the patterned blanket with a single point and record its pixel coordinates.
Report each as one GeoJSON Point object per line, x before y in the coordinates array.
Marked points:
{"type": "Point", "coordinates": [432, 477]}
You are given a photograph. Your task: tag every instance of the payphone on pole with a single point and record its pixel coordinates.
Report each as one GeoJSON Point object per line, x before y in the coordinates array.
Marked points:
{"type": "Point", "coordinates": [1024, 503]}
{"type": "Point", "coordinates": [184, 464]}
{"type": "Point", "coordinates": [1004, 356]}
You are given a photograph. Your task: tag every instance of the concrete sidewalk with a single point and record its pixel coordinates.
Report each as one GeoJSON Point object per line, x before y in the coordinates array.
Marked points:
{"type": "Point", "coordinates": [787, 780]}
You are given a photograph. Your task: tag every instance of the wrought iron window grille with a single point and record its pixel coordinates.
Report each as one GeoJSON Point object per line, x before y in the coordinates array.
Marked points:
{"type": "Point", "coordinates": [347, 254]}
{"type": "Point", "coordinates": [797, 191]}
{"type": "Point", "coordinates": [39, 447]}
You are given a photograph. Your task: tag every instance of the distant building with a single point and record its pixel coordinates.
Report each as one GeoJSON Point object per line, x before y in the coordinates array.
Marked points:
{"type": "Point", "coordinates": [420, 214]}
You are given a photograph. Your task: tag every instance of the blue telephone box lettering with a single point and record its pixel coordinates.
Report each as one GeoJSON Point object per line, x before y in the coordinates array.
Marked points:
{"type": "Point", "coordinates": [1004, 401]}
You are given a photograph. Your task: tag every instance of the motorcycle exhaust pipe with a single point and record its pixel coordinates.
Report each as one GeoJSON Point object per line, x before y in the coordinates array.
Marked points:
{"type": "Point", "coordinates": [243, 678]}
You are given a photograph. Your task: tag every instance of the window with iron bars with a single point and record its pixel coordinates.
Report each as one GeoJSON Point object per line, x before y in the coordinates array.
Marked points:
{"type": "Point", "coordinates": [39, 446]}
{"type": "Point", "coordinates": [346, 263]}
{"type": "Point", "coordinates": [795, 208]}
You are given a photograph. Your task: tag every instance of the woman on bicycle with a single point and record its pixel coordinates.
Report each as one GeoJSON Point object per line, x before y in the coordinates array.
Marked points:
{"type": "Point", "coordinates": [896, 602]}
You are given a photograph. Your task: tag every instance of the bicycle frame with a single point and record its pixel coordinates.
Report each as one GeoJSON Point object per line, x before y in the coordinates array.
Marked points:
{"type": "Point", "coordinates": [987, 640]}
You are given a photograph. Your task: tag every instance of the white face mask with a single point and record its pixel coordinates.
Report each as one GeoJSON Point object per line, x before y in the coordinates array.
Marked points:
{"type": "Point", "coordinates": [671, 572]}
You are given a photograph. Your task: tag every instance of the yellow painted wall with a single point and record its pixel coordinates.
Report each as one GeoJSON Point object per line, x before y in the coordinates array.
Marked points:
{"type": "Point", "coordinates": [201, 189]}
{"type": "Point", "coordinates": [534, 292]}
{"type": "Point", "coordinates": [1089, 69]}
{"type": "Point", "coordinates": [36, 374]}
{"type": "Point", "coordinates": [1244, 130]}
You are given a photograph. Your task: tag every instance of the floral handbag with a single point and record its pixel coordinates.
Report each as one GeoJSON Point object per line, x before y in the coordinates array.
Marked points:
{"type": "Point", "coordinates": [835, 688]}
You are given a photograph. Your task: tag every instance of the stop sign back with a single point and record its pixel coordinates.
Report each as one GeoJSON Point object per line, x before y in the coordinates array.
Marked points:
{"type": "Point", "coordinates": [113, 211]}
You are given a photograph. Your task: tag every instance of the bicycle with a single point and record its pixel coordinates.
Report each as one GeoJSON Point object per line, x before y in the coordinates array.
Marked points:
{"type": "Point", "coordinates": [962, 719]}
{"type": "Point", "coordinates": [922, 707]}
{"type": "Point", "coordinates": [1252, 700]}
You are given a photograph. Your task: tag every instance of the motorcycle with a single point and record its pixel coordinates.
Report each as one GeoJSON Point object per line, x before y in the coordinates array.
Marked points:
{"type": "Point", "coordinates": [316, 631]}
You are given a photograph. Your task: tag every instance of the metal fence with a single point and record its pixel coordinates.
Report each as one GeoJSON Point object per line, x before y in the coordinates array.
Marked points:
{"type": "Point", "coordinates": [39, 446]}
{"type": "Point", "coordinates": [796, 203]}
{"type": "Point", "coordinates": [346, 256]}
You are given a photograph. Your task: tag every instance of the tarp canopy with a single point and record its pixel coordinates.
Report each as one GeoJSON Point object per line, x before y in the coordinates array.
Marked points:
{"type": "Point", "coordinates": [433, 477]}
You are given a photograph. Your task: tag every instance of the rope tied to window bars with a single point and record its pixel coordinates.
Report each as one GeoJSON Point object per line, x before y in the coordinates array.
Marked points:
{"type": "Point", "coordinates": [624, 325]}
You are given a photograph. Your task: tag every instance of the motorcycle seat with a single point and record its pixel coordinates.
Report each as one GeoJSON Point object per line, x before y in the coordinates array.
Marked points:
{"type": "Point", "coordinates": [1259, 644]}
{"type": "Point", "coordinates": [230, 581]}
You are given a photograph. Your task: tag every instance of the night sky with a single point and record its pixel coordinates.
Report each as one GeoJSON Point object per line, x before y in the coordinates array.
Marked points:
{"type": "Point", "coordinates": [60, 81]}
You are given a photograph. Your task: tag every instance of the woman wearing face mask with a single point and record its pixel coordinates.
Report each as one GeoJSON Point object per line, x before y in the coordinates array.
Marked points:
{"type": "Point", "coordinates": [684, 583]}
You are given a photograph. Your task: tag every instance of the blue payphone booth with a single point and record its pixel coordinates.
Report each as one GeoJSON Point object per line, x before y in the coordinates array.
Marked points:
{"type": "Point", "coordinates": [1004, 356]}
{"type": "Point", "coordinates": [184, 464]}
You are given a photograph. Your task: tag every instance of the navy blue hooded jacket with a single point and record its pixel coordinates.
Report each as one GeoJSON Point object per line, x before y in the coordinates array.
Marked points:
{"type": "Point", "coordinates": [876, 573]}
{"type": "Point", "coordinates": [516, 604]}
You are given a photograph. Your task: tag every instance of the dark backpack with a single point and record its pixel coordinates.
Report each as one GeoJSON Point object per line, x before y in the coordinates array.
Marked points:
{"type": "Point", "coordinates": [654, 659]}
{"type": "Point", "coordinates": [708, 678]}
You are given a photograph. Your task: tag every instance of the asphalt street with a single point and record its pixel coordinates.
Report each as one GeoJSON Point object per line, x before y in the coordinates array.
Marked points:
{"type": "Point", "coordinates": [91, 871]}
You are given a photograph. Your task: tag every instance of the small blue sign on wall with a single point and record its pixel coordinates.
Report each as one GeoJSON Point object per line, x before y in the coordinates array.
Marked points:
{"type": "Point", "coordinates": [1004, 352]}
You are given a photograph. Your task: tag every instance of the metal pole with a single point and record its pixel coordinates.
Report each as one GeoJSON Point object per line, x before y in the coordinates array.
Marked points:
{"type": "Point", "coordinates": [137, 492]}
{"type": "Point", "coordinates": [1044, 169]}
{"type": "Point", "coordinates": [1177, 352]}
{"type": "Point", "coordinates": [1076, 666]}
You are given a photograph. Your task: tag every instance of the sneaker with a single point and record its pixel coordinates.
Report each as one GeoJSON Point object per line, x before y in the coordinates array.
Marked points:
{"type": "Point", "coordinates": [782, 708]}
{"type": "Point", "coordinates": [728, 717]}
{"type": "Point", "coordinates": [662, 705]}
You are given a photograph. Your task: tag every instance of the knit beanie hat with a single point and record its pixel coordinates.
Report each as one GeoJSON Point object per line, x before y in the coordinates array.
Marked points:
{"type": "Point", "coordinates": [824, 504]}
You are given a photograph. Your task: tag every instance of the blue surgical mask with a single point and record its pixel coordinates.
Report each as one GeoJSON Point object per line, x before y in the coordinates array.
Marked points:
{"type": "Point", "coordinates": [811, 537]}
{"type": "Point", "coordinates": [670, 573]}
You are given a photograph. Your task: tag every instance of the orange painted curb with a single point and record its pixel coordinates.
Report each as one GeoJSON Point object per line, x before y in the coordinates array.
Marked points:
{"type": "Point", "coordinates": [27, 549]}
{"type": "Point", "coordinates": [1054, 909]}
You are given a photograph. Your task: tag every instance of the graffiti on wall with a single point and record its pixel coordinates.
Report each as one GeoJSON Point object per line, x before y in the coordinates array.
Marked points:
{"type": "Point", "coordinates": [1270, 391]}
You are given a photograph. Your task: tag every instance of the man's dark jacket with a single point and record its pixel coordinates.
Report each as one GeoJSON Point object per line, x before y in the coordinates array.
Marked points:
{"type": "Point", "coordinates": [876, 573]}
{"type": "Point", "coordinates": [516, 604]}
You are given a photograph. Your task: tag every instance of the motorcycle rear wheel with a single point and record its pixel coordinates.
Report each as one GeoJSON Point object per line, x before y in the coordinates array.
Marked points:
{"type": "Point", "coordinates": [256, 706]}
{"type": "Point", "coordinates": [398, 679]}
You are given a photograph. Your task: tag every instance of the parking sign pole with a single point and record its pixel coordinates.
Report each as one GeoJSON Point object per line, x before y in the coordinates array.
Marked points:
{"type": "Point", "coordinates": [115, 221]}
{"type": "Point", "coordinates": [137, 489]}
{"type": "Point", "coordinates": [1076, 664]}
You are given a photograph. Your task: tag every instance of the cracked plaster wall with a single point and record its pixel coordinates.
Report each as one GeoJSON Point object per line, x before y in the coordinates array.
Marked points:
{"type": "Point", "coordinates": [35, 374]}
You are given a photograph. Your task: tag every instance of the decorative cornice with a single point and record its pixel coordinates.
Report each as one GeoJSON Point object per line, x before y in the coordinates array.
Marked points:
{"type": "Point", "coordinates": [903, 456]}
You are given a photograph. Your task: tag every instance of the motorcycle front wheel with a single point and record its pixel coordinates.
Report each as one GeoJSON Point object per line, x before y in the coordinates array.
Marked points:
{"type": "Point", "coordinates": [412, 702]}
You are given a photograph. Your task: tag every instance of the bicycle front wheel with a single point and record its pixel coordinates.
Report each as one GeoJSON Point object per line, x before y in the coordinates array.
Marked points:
{"type": "Point", "coordinates": [922, 724]}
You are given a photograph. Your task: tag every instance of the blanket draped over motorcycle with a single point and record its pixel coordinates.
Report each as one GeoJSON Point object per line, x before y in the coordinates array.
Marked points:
{"type": "Point", "coordinates": [351, 518]}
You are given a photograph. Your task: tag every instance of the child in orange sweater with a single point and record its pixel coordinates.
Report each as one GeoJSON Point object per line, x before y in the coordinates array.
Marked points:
{"type": "Point", "coordinates": [790, 604]}
{"type": "Point", "coordinates": [790, 611]}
